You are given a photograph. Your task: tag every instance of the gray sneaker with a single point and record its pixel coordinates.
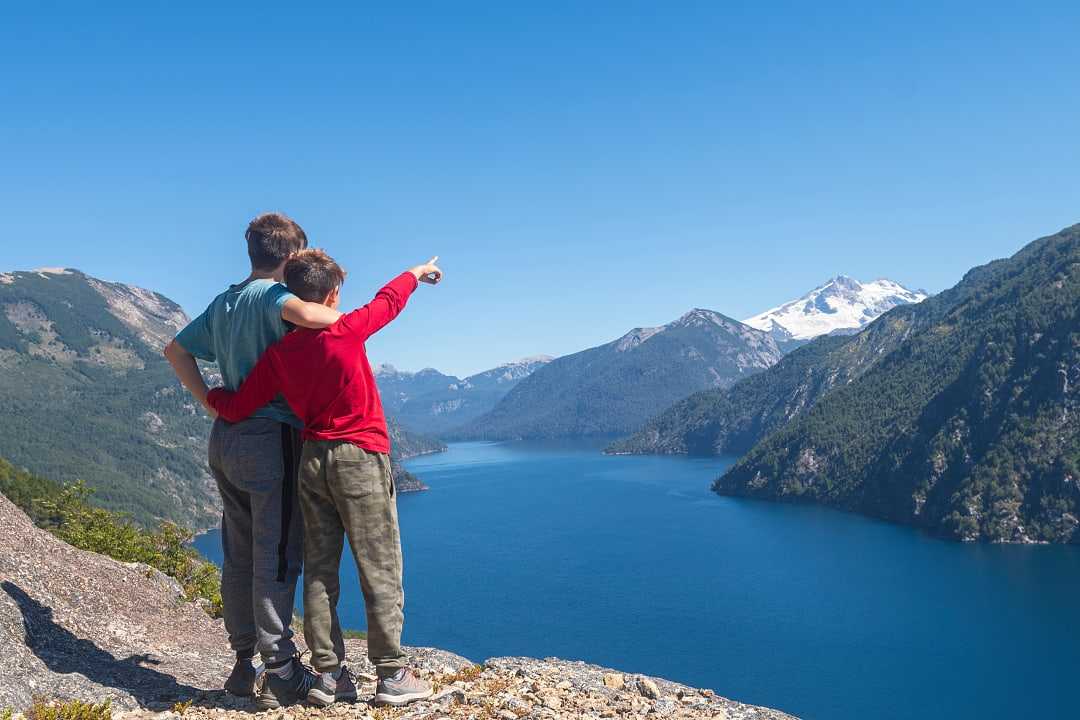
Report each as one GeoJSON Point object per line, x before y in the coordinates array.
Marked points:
{"type": "Point", "coordinates": [402, 688]}
{"type": "Point", "coordinates": [327, 689]}
{"type": "Point", "coordinates": [277, 691]}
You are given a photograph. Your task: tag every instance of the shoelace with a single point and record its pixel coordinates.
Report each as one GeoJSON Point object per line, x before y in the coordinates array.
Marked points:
{"type": "Point", "coordinates": [308, 676]}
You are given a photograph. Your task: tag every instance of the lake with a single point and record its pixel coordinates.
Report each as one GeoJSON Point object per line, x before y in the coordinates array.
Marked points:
{"type": "Point", "coordinates": [632, 563]}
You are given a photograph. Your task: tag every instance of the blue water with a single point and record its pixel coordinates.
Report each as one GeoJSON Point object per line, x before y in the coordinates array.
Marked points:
{"type": "Point", "coordinates": [630, 562]}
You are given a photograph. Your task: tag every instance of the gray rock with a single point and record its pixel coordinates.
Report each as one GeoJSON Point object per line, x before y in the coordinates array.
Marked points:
{"type": "Point", "coordinates": [77, 625]}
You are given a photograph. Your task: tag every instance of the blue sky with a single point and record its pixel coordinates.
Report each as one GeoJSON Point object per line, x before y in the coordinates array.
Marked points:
{"type": "Point", "coordinates": [582, 168]}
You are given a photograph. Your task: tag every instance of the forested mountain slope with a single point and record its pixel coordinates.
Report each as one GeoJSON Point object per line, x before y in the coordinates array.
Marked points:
{"type": "Point", "coordinates": [730, 420]}
{"type": "Point", "coordinates": [87, 394]}
{"type": "Point", "coordinates": [969, 426]}
{"type": "Point", "coordinates": [615, 387]}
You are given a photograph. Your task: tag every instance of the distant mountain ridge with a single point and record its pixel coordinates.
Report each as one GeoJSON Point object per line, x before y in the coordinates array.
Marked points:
{"type": "Point", "coordinates": [428, 401]}
{"type": "Point", "coordinates": [957, 414]}
{"type": "Point", "coordinates": [842, 305]}
{"type": "Point", "coordinates": [615, 387]}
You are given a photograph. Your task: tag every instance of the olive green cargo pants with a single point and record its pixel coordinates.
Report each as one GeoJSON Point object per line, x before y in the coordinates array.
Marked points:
{"type": "Point", "coordinates": [348, 491]}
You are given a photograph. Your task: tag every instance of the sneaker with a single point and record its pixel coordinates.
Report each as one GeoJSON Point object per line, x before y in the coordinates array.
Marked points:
{"type": "Point", "coordinates": [327, 689]}
{"type": "Point", "coordinates": [242, 679]}
{"type": "Point", "coordinates": [401, 688]}
{"type": "Point", "coordinates": [277, 691]}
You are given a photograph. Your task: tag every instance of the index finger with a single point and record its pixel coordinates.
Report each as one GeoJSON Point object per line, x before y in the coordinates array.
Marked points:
{"type": "Point", "coordinates": [433, 260]}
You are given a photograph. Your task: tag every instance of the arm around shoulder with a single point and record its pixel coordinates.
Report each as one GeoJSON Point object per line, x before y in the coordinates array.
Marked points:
{"type": "Point", "coordinates": [258, 388]}
{"type": "Point", "coordinates": [308, 314]}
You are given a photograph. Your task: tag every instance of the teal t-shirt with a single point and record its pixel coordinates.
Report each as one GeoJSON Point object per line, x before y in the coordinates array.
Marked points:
{"type": "Point", "coordinates": [235, 330]}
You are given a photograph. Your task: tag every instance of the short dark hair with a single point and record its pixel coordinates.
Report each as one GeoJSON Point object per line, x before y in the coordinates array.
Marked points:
{"type": "Point", "coordinates": [273, 238]}
{"type": "Point", "coordinates": [312, 275]}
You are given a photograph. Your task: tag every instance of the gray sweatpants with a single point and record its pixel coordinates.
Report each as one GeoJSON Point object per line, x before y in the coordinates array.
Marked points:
{"type": "Point", "coordinates": [255, 463]}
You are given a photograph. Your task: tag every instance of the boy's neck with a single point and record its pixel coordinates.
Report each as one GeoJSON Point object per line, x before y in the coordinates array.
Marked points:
{"type": "Point", "coordinates": [277, 274]}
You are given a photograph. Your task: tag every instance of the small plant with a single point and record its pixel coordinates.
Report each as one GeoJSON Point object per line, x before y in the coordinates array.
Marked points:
{"type": "Point", "coordinates": [497, 685]}
{"type": "Point", "coordinates": [6, 713]}
{"type": "Point", "coordinates": [384, 713]}
{"type": "Point", "coordinates": [181, 707]}
{"type": "Point", "coordinates": [466, 674]}
{"type": "Point", "coordinates": [69, 710]}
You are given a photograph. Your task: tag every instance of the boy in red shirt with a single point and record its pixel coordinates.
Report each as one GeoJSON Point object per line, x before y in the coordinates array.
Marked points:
{"type": "Point", "coordinates": [346, 488]}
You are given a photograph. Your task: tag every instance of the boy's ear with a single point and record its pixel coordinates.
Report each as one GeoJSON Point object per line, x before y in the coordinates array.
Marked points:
{"type": "Point", "coordinates": [334, 298]}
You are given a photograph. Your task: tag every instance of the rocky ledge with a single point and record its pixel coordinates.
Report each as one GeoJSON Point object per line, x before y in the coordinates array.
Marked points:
{"type": "Point", "coordinates": [77, 625]}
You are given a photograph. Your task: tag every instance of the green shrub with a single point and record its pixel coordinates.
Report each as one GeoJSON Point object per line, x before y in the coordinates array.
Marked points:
{"type": "Point", "coordinates": [65, 511]}
{"type": "Point", "coordinates": [70, 710]}
{"type": "Point", "coordinates": [72, 519]}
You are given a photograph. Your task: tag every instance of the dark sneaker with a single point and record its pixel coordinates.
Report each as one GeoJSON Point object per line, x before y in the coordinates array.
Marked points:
{"type": "Point", "coordinates": [327, 689]}
{"type": "Point", "coordinates": [242, 679]}
{"type": "Point", "coordinates": [277, 691]}
{"type": "Point", "coordinates": [401, 689]}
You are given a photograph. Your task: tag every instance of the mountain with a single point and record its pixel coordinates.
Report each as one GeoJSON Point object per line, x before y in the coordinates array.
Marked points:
{"type": "Point", "coordinates": [615, 387]}
{"type": "Point", "coordinates": [430, 402]}
{"type": "Point", "coordinates": [969, 428]}
{"type": "Point", "coordinates": [958, 414]}
{"type": "Point", "coordinates": [406, 444]}
{"type": "Point", "coordinates": [840, 306]}
{"type": "Point", "coordinates": [87, 394]}
{"type": "Point", "coordinates": [729, 421]}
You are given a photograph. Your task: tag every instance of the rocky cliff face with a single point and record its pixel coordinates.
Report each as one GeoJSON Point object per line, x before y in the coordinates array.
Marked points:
{"type": "Point", "coordinates": [76, 625]}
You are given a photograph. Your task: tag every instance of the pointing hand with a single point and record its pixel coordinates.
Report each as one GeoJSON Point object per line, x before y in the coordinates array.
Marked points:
{"type": "Point", "coordinates": [429, 272]}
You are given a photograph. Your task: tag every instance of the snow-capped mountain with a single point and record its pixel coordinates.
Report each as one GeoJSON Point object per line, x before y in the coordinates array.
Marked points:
{"type": "Point", "coordinates": [842, 305]}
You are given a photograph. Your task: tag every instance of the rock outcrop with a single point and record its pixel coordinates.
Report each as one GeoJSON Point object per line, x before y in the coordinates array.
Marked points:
{"type": "Point", "coordinates": [77, 625]}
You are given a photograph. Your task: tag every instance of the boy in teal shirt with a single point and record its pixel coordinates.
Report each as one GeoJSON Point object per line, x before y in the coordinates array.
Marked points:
{"type": "Point", "coordinates": [255, 462]}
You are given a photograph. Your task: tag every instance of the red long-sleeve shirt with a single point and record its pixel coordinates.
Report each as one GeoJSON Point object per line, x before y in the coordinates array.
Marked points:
{"type": "Point", "coordinates": [325, 375]}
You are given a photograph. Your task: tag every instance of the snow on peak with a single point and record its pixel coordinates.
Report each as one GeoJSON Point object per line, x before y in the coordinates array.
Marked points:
{"type": "Point", "coordinates": [842, 304]}
{"type": "Point", "coordinates": [532, 360]}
